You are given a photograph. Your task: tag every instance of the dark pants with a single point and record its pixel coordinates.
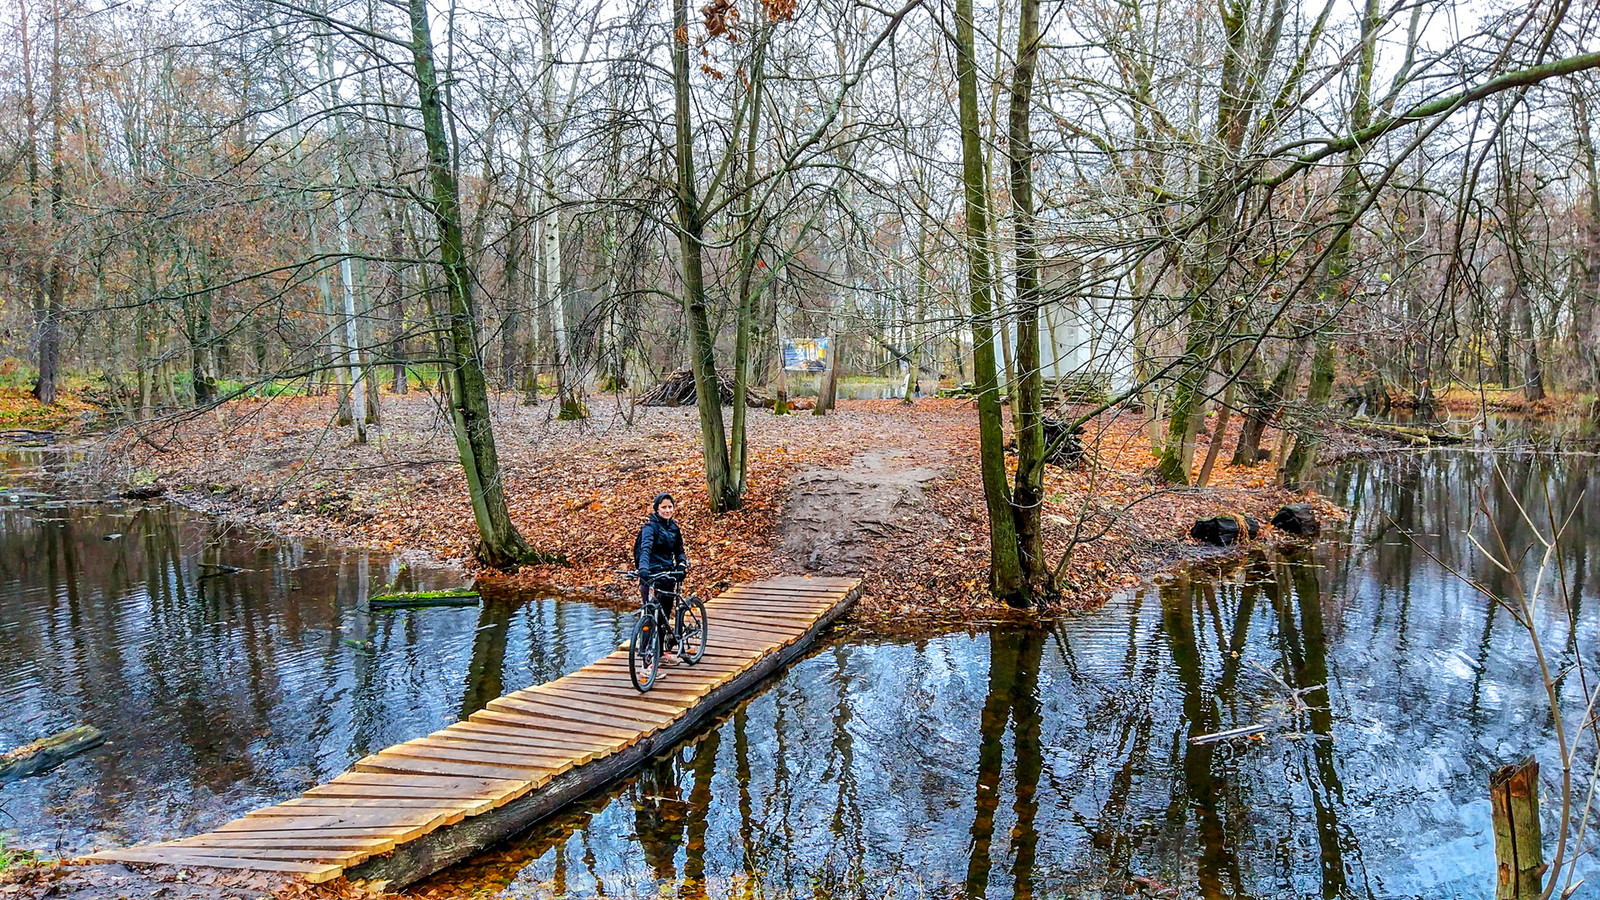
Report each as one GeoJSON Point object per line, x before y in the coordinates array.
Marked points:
{"type": "Point", "coordinates": [665, 585]}
{"type": "Point", "coordinates": [667, 600]}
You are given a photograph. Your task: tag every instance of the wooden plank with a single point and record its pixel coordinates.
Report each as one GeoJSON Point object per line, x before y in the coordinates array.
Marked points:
{"type": "Point", "coordinates": [336, 857]}
{"type": "Point", "coordinates": [316, 873]}
{"type": "Point", "coordinates": [450, 814]}
{"type": "Point", "coordinates": [745, 640]}
{"type": "Point", "coordinates": [771, 634]}
{"type": "Point", "coordinates": [780, 593]}
{"type": "Point", "coordinates": [478, 753]}
{"type": "Point", "coordinates": [530, 735]}
{"type": "Point", "coordinates": [681, 697]}
{"type": "Point", "coordinates": [641, 711]}
{"type": "Point", "coordinates": [729, 612]}
{"type": "Point", "coordinates": [513, 717]}
{"type": "Point", "coordinates": [733, 621]}
{"type": "Point", "coordinates": [814, 584]}
{"type": "Point", "coordinates": [576, 746]}
{"type": "Point", "coordinates": [469, 786]}
{"type": "Point", "coordinates": [667, 704]}
{"type": "Point", "coordinates": [749, 642]}
{"type": "Point", "coordinates": [526, 701]}
{"type": "Point", "coordinates": [569, 742]}
{"type": "Point", "coordinates": [733, 616]}
{"type": "Point", "coordinates": [385, 785]}
{"type": "Point", "coordinates": [397, 831]}
{"type": "Point", "coordinates": [751, 623]}
{"type": "Point", "coordinates": [707, 669]}
{"type": "Point", "coordinates": [548, 697]}
{"type": "Point", "coordinates": [302, 805]}
{"type": "Point", "coordinates": [472, 806]}
{"type": "Point", "coordinates": [408, 765]}
{"type": "Point", "coordinates": [392, 819]}
{"type": "Point", "coordinates": [679, 694]}
{"type": "Point", "coordinates": [476, 745]}
{"type": "Point", "coordinates": [797, 595]}
{"type": "Point", "coordinates": [743, 621]}
{"type": "Point", "coordinates": [274, 841]}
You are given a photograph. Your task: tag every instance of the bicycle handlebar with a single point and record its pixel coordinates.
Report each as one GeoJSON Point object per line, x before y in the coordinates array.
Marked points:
{"type": "Point", "coordinates": [654, 576]}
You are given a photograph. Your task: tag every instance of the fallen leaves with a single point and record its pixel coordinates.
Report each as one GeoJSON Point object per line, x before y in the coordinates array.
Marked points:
{"type": "Point", "coordinates": [578, 491]}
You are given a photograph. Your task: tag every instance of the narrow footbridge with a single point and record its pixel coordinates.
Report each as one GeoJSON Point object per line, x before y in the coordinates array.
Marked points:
{"type": "Point", "coordinates": [408, 811]}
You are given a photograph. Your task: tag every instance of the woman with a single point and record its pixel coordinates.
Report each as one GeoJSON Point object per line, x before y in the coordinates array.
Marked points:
{"type": "Point", "coordinates": [659, 549]}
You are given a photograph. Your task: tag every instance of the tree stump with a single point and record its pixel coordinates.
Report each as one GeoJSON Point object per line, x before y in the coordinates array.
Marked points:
{"type": "Point", "coordinates": [1518, 845]}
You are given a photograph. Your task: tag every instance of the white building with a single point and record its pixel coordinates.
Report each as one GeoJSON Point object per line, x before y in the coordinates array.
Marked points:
{"type": "Point", "coordinates": [1086, 329]}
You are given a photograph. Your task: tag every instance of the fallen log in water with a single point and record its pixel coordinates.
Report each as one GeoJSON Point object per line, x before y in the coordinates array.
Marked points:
{"type": "Point", "coordinates": [1407, 434]}
{"type": "Point", "coordinates": [48, 752]}
{"type": "Point", "coordinates": [409, 599]}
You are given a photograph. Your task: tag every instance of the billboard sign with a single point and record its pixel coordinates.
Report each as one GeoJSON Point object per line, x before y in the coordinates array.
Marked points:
{"type": "Point", "coordinates": [805, 354]}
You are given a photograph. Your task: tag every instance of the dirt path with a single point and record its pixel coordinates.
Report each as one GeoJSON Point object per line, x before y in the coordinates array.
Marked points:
{"type": "Point", "coordinates": [835, 519]}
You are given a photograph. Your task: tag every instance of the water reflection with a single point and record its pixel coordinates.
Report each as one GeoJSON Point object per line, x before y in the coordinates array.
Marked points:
{"type": "Point", "coordinates": [1061, 761]}
{"type": "Point", "coordinates": [227, 669]}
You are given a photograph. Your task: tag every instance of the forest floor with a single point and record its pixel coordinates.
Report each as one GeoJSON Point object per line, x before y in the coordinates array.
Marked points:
{"type": "Point", "coordinates": [878, 488]}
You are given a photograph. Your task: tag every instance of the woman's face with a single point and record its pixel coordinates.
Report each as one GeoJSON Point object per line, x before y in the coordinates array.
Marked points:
{"type": "Point", "coordinates": [666, 509]}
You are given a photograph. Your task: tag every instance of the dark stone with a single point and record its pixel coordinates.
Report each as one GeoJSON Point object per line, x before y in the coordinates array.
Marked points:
{"type": "Point", "coordinates": [1297, 518]}
{"type": "Point", "coordinates": [1225, 531]}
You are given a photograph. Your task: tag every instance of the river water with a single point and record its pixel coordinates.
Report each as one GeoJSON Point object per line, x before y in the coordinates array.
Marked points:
{"type": "Point", "coordinates": [1049, 761]}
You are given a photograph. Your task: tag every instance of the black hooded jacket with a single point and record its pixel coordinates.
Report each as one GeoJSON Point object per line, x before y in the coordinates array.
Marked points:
{"type": "Point", "coordinates": [660, 546]}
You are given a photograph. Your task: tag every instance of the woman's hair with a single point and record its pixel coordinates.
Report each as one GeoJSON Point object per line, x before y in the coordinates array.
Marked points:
{"type": "Point", "coordinates": [660, 499]}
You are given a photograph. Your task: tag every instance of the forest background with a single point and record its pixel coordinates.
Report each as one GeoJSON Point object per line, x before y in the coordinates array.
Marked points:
{"type": "Point", "coordinates": [1257, 209]}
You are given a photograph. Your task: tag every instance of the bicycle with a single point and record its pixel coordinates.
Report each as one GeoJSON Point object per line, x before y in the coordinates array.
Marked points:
{"type": "Point", "coordinates": [681, 623]}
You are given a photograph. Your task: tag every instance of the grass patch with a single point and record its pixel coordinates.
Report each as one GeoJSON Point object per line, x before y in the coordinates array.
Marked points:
{"type": "Point", "coordinates": [12, 857]}
{"type": "Point", "coordinates": [19, 409]}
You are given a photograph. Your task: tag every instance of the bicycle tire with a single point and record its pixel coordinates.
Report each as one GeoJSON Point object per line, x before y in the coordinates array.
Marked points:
{"type": "Point", "coordinates": [644, 653]}
{"type": "Point", "coordinates": [693, 628]}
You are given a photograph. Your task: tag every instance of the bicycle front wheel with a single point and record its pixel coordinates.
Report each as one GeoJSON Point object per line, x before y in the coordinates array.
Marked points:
{"type": "Point", "coordinates": [692, 627]}
{"type": "Point", "coordinates": [644, 652]}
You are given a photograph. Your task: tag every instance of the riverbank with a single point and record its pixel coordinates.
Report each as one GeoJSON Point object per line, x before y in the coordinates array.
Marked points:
{"type": "Point", "coordinates": [881, 488]}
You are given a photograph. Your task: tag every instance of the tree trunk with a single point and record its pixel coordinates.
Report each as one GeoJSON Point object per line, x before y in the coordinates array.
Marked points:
{"type": "Point", "coordinates": [749, 251]}
{"type": "Point", "coordinates": [499, 544]}
{"type": "Point", "coordinates": [721, 492]}
{"type": "Point", "coordinates": [1586, 315]}
{"type": "Point", "coordinates": [915, 352]}
{"type": "Point", "coordinates": [350, 353]}
{"type": "Point", "coordinates": [54, 282]}
{"type": "Point", "coordinates": [1302, 459]}
{"type": "Point", "coordinates": [828, 391]}
{"type": "Point", "coordinates": [1006, 579]}
{"type": "Point", "coordinates": [511, 343]}
{"type": "Point", "coordinates": [400, 381]}
{"type": "Point", "coordinates": [1027, 399]}
{"type": "Point", "coordinates": [569, 402]}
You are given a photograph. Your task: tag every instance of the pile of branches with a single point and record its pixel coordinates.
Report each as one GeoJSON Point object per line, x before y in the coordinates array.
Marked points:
{"type": "Point", "coordinates": [677, 389]}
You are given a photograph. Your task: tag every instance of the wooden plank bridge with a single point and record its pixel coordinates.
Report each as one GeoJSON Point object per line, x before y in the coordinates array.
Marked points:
{"type": "Point", "coordinates": [408, 811]}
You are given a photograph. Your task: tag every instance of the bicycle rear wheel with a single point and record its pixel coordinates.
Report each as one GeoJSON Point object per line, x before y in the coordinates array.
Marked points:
{"type": "Point", "coordinates": [644, 652]}
{"type": "Point", "coordinates": [692, 628]}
